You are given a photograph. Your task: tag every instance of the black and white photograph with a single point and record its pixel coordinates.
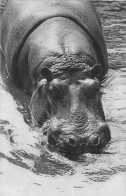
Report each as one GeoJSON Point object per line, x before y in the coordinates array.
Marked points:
{"type": "Point", "coordinates": [63, 98]}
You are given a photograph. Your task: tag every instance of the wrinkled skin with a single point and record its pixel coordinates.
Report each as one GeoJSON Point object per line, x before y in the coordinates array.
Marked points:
{"type": "Point", "coordinates": [77, 121]}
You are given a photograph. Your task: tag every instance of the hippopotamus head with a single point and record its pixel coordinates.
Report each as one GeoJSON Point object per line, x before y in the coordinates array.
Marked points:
{"type": "Point", "coordinates": [72, 103]}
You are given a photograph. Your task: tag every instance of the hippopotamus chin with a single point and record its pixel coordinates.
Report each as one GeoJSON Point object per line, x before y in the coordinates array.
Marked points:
{"type": "Point", "coordinates": [72, 102]}
{"type": "Point", "coordinates": [55, 51]}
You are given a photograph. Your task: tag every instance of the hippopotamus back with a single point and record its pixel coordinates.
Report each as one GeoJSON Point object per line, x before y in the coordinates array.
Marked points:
{"type": "Point", "coordinates": [22, 17]}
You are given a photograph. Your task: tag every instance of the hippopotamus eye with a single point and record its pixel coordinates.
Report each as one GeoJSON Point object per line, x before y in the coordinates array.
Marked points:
{"type": "Point", "coordinates": [92, 89]}
{"type": "Point", "coordinates": [56, 92]}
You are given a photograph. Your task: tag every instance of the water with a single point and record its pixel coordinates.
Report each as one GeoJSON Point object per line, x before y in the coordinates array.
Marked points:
{"type": "Point", "coordinates": [29, 168]}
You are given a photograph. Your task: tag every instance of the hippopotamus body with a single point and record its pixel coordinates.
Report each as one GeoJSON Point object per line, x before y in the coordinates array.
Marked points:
{"type": "Point", "coordinates": [55, 51]}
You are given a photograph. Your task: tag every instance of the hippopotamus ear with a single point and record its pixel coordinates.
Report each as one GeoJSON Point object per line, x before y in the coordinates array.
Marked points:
{"type": "Point", "coordinates": [46, 73]}
{"type": "Point", "coordinates": [95, 70]}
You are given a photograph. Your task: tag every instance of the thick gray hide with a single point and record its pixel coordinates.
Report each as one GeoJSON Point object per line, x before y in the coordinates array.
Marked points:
{"type": "Point", "coordinates": [22, 17]}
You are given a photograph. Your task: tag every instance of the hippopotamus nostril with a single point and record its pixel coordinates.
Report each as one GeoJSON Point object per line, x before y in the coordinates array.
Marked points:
{"type": "Point", "coordinates": [52, 136]}
{"type": "Point", "coordinates": [73, 141]}
{"type": "Point", "coordinates": [94, 140]}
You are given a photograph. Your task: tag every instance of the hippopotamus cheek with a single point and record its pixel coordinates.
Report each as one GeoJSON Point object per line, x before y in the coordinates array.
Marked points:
{"type": "Point", "coordinates": [38, 107]}
{"type": "Point", "coordinates": [100, 109]}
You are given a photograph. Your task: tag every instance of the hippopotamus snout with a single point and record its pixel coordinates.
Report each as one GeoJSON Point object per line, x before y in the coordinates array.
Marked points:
{"type": "Point", "coordinates": [72, 143]}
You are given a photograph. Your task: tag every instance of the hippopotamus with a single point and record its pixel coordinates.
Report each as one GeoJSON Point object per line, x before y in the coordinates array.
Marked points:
{"type": "Point", "coordinates": [55, 51]}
